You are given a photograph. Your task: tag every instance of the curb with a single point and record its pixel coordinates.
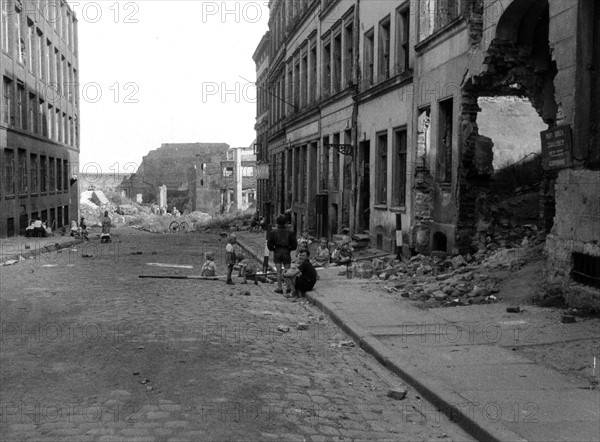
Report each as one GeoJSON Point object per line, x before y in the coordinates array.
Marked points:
{"type": "Point", "coordinates": [44, 249]}
{"type": "Point", "coordinates": [431, 389]}
{"type": "Point", "coordinates": [255, 255]}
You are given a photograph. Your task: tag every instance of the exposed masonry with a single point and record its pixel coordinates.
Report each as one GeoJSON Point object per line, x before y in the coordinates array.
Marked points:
{"type": "Point", "coordinates": [512, 69]}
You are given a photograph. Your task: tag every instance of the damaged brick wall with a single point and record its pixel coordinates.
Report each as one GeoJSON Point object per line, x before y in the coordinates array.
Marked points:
{"type": "Point", "coordinates": [511, 70]}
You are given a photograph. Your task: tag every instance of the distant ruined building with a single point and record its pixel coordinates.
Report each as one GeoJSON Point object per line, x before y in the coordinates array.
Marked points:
{"type": "Point", "coordinates": [198, 177]}
{"type": "Point", "coordinates": [170, 165]}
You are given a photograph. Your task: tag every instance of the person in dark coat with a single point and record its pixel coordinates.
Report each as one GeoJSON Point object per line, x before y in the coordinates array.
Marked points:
{"type": "Point", "coordinates": [281, 242]}
{"type": "Point", "coordinates": [303, 278]}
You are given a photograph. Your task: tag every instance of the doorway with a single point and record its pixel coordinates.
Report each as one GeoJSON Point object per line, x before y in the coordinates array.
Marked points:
{"type": "Point", "coordinates": [364, 188]}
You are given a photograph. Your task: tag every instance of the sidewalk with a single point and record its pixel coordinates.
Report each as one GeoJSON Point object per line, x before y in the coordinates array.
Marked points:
{"type": "Point", "coordinates": [12, 249]}
{"type": "Point", "coordinates": [460, 359]}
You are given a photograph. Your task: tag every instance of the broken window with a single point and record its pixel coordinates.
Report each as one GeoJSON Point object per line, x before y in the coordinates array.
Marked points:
{"type": "Point", "coordinates": [368, 67]}
{"type": "Point", "coordinates": [335, 164]}
{"type": "Point", "coordinates": [384, 49]}
{"type": "Point", "coordinates": [586, 269]}
{"type": "Point", "coordinates": [228, 171]}
{"type": "Point", "coordinates": [423, 137]}
{"type": "Point", "coordinates": [337, 63]}
{"type": "Point", "coordinates": [9, 171]}
{"type": "Point", "coordinates": [23, 171]}
{"type": "Point", "coordinates": [325, 164]}
{"type": "Point", "coordinates": [399, 167]}
{"type": "Point", "coordinates": [445, 12]}
{"type": "Point", "coordinates": [33, 173]}
{"type": "Point", "coordinates": [297, 85]}
{"type": "Point", "coordinates": [52, 175]}
{"type": "Point", "coordinates": [348, 51]}
{"type": "Point", "coordinates": [313, 73]}
{"type": "Point", "coordinates": [303, 80]}
{"type": "Point", "coordinates": [21, 106]}
{"type": "Point", "coordinates": [43, 174]}
{"type": "Point", "coordinates": [382, 165]}
{"type": "Point", "coordinates": [444, 151]}
{"type": "Point", "coordinates": [7, 101]}
{"type": "Point", "coordinates": [402, 39]}
{"type": "Point", "coordinates": [326, 69]}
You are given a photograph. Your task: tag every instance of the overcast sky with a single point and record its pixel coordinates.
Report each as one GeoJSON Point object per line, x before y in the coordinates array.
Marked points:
{"type": "Point", "coordinates": [165, 71]}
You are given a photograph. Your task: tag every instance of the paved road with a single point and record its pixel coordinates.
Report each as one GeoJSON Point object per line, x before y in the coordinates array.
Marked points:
{"type": "Point", "coordinates": [89, 351]}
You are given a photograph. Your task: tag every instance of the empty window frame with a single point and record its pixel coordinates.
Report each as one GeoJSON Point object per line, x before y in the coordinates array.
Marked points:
{"type": "Point", "coordinates": [444, 145]}
{"type": "Point", "coordinates": [368, 67]}
{"type": "Point", "coordinates": [337, 62]}
{"type": "Point", "coordinates": [326, 86]}
{"type": "Point", "coordinates": [384, 49]}
{"type": "Point", "coordinates": [348, 51]}
{"type": "Point", "coordinates": [382, 168]}
{"type": "Point", "coordinates": [402, 39]}
{"type": "Point", "coordinates": [399, 167]}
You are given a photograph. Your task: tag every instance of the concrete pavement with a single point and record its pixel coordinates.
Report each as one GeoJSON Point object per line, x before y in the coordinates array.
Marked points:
{"type": "Point", "coordinates": [461, 360]}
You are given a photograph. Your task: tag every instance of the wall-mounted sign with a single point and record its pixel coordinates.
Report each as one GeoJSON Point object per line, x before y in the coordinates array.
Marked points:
{"type": "Point", "coordinates": [262, 171]}
{"type": "Point", "coordinates": [556, 148]}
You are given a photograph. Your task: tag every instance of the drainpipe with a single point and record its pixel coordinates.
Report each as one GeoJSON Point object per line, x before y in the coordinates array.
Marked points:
{"type": "Point", "coordinates": [354, 201]}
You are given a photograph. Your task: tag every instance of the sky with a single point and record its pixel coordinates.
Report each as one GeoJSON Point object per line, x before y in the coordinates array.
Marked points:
{"type": "Point", "coordinates": [164, 71]}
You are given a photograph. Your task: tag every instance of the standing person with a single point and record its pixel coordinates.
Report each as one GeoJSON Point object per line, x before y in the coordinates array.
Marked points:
{"type": "Point", "coordinates": [282, 241]}
{"type": "Point", "coordinates": [106, 221]}
{"type": "Point", "coordinates": [303, 278]}
{"type": "Point", "coordinates": [83, 229]}
{"type": "Point", "coordinates": [230, 257]}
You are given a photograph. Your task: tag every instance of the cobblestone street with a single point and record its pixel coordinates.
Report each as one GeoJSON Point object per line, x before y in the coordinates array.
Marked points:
{"type": "Point", "coordinates": [90, 351]}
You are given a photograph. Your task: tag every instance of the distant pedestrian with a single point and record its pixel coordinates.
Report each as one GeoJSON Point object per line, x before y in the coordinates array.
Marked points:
{"type": "Point", "coordinates": [281, 242]}
{"type": "Point", "coordinates": [83, 228]}
{"type": "Point", "coordinates": [106, 221]}
{"type": "Point", "coordinates": [230, 257]}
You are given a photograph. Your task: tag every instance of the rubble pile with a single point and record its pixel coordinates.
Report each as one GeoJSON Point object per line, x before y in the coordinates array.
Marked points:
{"type": "Point", "coordinates": [440, 280]}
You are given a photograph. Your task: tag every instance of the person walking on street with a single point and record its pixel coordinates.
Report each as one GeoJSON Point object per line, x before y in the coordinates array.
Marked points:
{"type": "Point", "coordinates": [281, 242]}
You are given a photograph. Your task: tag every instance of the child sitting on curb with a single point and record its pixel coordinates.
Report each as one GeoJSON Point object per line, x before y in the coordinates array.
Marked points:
{"type": "Point", "coordinates": [303, 278]}
{"type": "Point", "coordinates": [344, 253]}
{"type": "Point", "coordinates": [323, 254]}
{"type": "Point", "coordinates": [209, 268]}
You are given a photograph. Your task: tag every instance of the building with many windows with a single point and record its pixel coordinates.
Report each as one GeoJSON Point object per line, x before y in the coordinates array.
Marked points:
{"type": "Point", "coordinates": [402, 119]}
{"type": "Point", "coordinates": [39, 117]}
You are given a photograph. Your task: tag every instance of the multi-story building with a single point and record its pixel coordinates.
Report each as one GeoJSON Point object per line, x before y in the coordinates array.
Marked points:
{"type": "Point", "coordinates": [392, 118]}
{"type": "Point", "coordinates": [39, 117]}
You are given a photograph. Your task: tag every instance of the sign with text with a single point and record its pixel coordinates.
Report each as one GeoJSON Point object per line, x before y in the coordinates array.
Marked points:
{"type": "Point", "coordinates": [556, 148]}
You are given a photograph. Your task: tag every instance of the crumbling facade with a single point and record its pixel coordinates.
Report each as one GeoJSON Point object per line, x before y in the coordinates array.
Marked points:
{"type": "Point", "coordinates": [373, 113]}
{"type": "Point", "coordinates": [170, 165]}
{"type": "Point", "coordinates": [39, 117]}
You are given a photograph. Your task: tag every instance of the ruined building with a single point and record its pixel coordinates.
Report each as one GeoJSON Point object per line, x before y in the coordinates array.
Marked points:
{"type": "Point", "coordinates": [424, 116]}
{"type": "Point", "coordinates": [198, 177]}
{"type": "Point", "coordinates": [171, 165]}
{"type": "Point", "coordinates": [39, 117]}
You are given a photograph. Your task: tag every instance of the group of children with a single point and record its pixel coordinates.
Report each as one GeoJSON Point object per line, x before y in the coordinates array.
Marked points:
{"type": "Point", "coordinates": [299, 279]}
{"type": "Point", "coordinates": [246, 266]}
